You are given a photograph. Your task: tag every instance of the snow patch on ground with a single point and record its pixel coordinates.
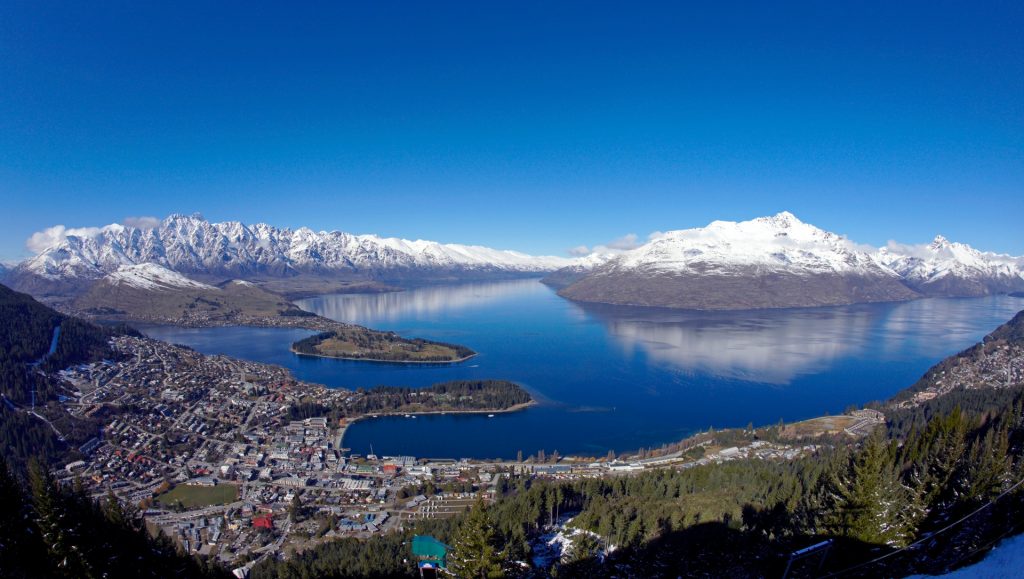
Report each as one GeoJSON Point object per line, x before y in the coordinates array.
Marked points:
{"type": "Point", "coordinates": [1005, 560]}
{"type": "Point", "coordinates": [551, 547]}
{"type": "Point", "coordinates": [150, 276]}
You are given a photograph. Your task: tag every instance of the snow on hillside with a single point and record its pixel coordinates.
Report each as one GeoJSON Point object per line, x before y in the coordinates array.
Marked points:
{"type": "Point", "coordinates": [149, 276]}
{"type": "Point", "coordinates": [190, 244]}
{"type": "Point", "coordinates": [780, 242]}
{"type": "Point", "coordinates": [1005, 560]}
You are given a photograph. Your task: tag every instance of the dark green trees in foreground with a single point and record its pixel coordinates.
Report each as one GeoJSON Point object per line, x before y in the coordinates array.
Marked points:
{"type": "Point", "coordinates": [475, 550]}
{"type": "Point", "coordinates": [49, 531]}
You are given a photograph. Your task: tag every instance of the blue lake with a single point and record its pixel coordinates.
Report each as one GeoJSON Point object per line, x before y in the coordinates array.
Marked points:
{"type": "Point", "coordinates": [619, 378]}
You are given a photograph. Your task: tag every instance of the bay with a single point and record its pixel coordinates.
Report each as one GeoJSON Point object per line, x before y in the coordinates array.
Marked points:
{"type": "Point", "coordinates": [618, 378]}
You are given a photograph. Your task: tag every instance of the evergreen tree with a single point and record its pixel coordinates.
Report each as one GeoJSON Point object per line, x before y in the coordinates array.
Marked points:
{"type": "Point", "coordinates": [295, 509]}
{"type": "Point", "coordinates": [56, 527]}
{"type": "Point", "coordinates": [19, 556]}
{"type": "Point", "coordinates": [475, 552]}
{"type": "Point", "coordinates": [875, 507]}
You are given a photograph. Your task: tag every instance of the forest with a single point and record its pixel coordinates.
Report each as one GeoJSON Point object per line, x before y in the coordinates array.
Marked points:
{"type": "Point", "coordinates": [51, 531]}
{"type": "Point", "coordinates": [448, 396]}
{"type": "Point", "coordinates": [26, 331]}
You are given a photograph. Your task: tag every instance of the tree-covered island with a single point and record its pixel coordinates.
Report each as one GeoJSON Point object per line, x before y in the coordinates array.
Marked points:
{"type": "Point", "coordinates": [355, 343]}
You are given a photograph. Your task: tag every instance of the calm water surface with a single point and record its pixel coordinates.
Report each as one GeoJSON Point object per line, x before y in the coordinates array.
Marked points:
{"type": "Point", "coordinates": [619, 378]}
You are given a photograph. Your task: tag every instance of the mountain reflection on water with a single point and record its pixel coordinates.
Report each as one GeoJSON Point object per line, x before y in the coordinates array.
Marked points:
{"type": "Point", "coordinates": [617, 377]}
{"type": "Point", "coordinates": [430, 301]}
{"type": "Point", "coordinates": [761, 346]}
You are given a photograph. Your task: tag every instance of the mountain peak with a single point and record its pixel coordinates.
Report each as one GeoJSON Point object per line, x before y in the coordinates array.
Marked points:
{"type": "Point", "coordinates": [939, 242]}
{"type": "Point", "coordinates": [782, 219]}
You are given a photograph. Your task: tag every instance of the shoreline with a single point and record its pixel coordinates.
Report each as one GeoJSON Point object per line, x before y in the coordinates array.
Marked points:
{"type": "Point", "coordinates": [297, 324]}
{"type": "Point", "coordinates": [379, 361]}
{"type": "Point", "coordinates": [349, 422]}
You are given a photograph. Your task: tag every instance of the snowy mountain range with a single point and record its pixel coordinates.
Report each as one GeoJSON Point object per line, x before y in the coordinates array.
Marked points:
{"type": "Point", "coordinates": [780, 261]}
{"type": "Point", "coordinates": [947, 268]}
{"type": "Point", "coordinates": [776, 261]}
{"type": "Point", "coordinates": [196, 247]}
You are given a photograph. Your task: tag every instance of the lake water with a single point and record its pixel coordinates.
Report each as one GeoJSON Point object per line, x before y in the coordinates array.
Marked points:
{"type": "Point", "coordinates": [619, 378]}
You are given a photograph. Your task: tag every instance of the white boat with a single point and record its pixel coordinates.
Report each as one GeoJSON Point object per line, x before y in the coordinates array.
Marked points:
{"type": "Point", "coordinates": [490, 416]}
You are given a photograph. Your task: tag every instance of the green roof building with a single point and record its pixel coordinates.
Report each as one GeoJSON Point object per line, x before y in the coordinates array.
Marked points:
{"type": "Point", "coordinates": [432, 554]}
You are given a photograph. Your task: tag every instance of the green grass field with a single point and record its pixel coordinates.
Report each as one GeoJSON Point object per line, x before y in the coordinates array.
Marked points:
{"type": "Point", "coordinates": [193, 496]}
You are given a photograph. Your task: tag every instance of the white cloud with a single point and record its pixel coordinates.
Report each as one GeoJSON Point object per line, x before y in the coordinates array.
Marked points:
{"type": "Point", "coordinates": [624, 243]}
{"type": "Point", "coordinates": [919, 250]}
{"type": "Point", "coordinates": [42, 240]}
{"type": "Point", "coordinates": [613, 247]}
{"type": "Point", "coordinates": [145, 222]}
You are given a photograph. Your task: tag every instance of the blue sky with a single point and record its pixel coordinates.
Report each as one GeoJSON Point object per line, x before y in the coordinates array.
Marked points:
{"type": "Point", "coordinates": [520, 125]}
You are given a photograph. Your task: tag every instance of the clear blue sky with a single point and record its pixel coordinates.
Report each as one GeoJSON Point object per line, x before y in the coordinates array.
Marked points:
{"type": "Point", "coordinates": [534, 126]}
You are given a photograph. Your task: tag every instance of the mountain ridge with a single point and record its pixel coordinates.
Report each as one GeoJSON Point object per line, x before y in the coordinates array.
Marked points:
{"type": "Point", "coordinates": [194, 246]}
{"type": "Point", "coordinates": [775, 261]}
{"type": "Point", "coordinates": [779, 262]}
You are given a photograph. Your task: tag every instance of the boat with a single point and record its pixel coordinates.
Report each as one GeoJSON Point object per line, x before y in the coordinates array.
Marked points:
{"type": "Point", "coordinates": [490, 416]}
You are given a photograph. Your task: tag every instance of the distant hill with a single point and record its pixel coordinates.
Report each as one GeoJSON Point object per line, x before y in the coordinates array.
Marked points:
{"type": "Point", "coordinates": [150, 292]}
{"type": "Point", "coordinates": [995, 363]}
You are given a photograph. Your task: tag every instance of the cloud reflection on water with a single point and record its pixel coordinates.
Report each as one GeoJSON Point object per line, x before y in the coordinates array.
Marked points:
{"type": "Point", "coordinates": [762, 346]}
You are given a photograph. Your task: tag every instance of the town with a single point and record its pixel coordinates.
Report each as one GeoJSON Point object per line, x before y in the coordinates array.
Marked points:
{"type": "Point", "coordinates": [211, 450]}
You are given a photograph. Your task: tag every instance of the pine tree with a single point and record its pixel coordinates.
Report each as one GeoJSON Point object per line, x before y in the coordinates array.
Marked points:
{"type": "Point", "coordinates": [295, 509]}
{"type": "Point", "coordinates": [874, 506]}
{"type": "Point", "coordinates": [55, 526]}
{"type": "Point", "coordinates": [17, 553]}
{"type": "Point", "coordinates": [475, 552]}
{"type": "Point", "coordinates": [987, 468]}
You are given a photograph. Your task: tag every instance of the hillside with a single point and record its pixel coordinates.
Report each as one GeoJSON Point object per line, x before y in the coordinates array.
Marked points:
{"type": "Point", "coordinates": [996, 363]}
{"type": "Point", "coordinates": [149, 292]}
{"type": "Point", "coordinates": [31, 425]}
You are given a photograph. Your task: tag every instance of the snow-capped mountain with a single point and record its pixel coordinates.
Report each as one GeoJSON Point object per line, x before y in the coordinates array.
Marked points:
{"type": "Point", "coordinates": [777, 243]}
{"type": "Point", "coordinates": [150, 276]}
{"type": "Point", "coordinates": [768, 262]}
{"type": "Point", "coordinates": [947, 268]}
{"type": "Point", "coordinates": [194, 246]}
